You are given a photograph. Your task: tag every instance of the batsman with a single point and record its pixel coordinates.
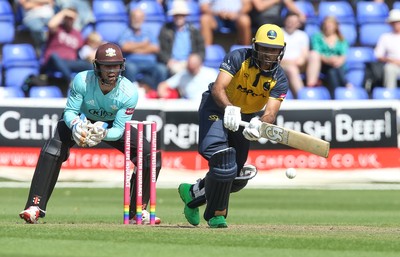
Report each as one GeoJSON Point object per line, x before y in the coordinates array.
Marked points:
{"type": "Point", "coordinates": [100, 102]}
{"type": "Point", "coordinates": [250, 80]}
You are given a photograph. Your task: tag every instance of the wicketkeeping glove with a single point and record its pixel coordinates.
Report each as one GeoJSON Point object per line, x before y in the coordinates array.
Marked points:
{"type": "Point", "coordinates": [80, 130]}
{"type": "Point", "coordinates": [252, 130]}
{"type": "Point", "coordinates": [98, 132]}
{"type": "Point", "coordinates": [232, 117]}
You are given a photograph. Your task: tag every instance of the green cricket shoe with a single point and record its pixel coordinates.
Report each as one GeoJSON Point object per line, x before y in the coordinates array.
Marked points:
{"type": "Point", "coordinates": [191, 214]}
{"type": "Point", "coordinates": [217, 222]}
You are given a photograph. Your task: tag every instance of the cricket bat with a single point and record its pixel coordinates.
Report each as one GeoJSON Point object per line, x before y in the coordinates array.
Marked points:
{"type": "Point", "coordinates": [292, 138]}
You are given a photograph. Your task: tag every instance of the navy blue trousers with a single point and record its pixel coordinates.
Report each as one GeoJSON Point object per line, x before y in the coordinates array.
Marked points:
{"type": "Point", "coordinates": [213, 136]}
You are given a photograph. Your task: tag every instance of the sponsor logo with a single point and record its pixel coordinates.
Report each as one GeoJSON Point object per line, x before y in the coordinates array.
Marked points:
{"type": "Point", "coordinates": [213, 117]}
{"type": "Point", "coordinates": [129, 111]}
{"type": "Point", "coordinates": [100, 113]}
{"type": "Point", "coordinates": [249, 91]}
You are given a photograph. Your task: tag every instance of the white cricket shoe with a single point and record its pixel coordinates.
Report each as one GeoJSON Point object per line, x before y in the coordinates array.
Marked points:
{"type": "Point", "coordinates": [145, 219]}
{"type": "Point", "coordinates": [30, 215]}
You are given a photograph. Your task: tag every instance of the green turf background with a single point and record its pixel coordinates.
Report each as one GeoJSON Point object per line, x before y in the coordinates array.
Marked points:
{"type": "Point", "coordinates": [323, 223]}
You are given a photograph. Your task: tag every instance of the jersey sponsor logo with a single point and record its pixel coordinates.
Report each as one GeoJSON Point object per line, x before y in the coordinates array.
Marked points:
{"type": "Point", "coordinates": [90, 102]}
{"type": "Point", "coordinates": [100, 113]}
{"type": "Point", "coordinates": [267, 86]}
{"type": "Point", "coordinates": [129, 111]}
{"type": "Point", "coordinates": [213, 117]}
{"type": "Point", "coordinates": [249, 91]}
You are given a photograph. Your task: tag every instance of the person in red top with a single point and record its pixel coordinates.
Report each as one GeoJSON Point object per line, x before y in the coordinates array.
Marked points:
{"type": "Point", "coordinates": [61, 53]}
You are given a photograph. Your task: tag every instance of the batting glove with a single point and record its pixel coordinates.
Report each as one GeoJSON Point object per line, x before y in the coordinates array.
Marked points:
{"type": "Point", "coordinates": [232, 117]}
{"type": "Point", "coordinates": [252, 130]}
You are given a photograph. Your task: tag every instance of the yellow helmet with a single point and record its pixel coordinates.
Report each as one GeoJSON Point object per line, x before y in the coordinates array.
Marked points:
{"type": "Point", "coordinates": [268, 36]}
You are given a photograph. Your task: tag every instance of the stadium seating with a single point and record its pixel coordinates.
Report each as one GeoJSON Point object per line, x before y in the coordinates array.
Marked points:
{"type": "Point", "coordinates": [153, 10]}
{"type": "Point", "coordinates": [313, 93]}
{"type": "Point", "coordinates": [349, 32]}
{"type": "Point", "coordinates": [344, 93]}
{"type": "Point", "coordinates": [111, 30]}
{"type": "Point", "coordinates": [307, 8]}
{"type": "Point", "coordinates": [371, 12]}
{"type": "Point", "coordinates": [19, 61]}
{"type": "Point", "coordinates": [45, 92]}
{"type": "Point", "coordinates": [214, 56]}
{"type": "Point", "coordinates": [235, 46]}
{"type": "Point", "coordinates": [369, 33]}
{"type": "Point", "coordinates": [396, 5]}
{"type": "Point", "coordinates": [109, 10]}
{"type": "Point", "coordinates": [11, 92]}
{"type": "Point", "coordinates": [289, 95]}
{"type": "Point", "coordinates": [355, 64]}
{"type": "Point", "coordinates": [7, 23]}
{"type": "Point", "coordinates": [194, 12]}
{"type": "Point", "coordinates": [342, 10]}
{"type": "Point", "coordinates": [386, 93]}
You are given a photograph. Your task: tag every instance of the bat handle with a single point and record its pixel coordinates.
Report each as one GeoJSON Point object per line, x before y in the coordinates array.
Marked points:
{"type": "Point", "coordinates": [243, 123]}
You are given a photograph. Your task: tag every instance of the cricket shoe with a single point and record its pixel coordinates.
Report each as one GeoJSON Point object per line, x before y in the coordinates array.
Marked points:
{"type": "Point", "coordinates": [145, 219]}
{"type": "Point", "coordinates": [217, 222]}
{"type": "Point", "coordinates": [191, 214]}
{"type": "Point", "coordinates": [30, 215]}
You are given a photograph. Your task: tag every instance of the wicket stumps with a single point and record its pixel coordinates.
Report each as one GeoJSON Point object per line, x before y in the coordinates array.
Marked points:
{"type": "Point", "coordinates": [139, 170]}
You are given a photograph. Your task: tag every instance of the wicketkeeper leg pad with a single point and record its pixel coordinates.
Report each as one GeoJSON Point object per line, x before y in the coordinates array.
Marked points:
{"type": "Point", "coordinates": [218, 182]}
{"type": "Point", "coordinates": [52, 155]}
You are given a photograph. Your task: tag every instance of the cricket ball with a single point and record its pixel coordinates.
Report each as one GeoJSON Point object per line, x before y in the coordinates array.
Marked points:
{"type": "Point", "coordinates": [291, 173]}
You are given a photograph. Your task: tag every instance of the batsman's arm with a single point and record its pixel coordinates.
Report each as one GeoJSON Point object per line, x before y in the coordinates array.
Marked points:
{"type": "Point", "coordinates": [219, 89]}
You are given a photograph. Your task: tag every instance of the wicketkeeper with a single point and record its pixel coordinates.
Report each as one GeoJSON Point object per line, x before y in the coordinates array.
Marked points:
{"type": "Point", "coordinates": [100, 102]}
{"type": "Point", "coordinates": [249, 81]}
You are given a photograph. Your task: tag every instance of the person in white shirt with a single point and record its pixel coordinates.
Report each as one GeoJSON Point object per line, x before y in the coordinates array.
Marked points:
{"type": "Point", "coordinates": [387, 51]}
{"type": "Point", "coordinates": [190, 83]}
{"type": "Point", "coordinates": [296, 53]}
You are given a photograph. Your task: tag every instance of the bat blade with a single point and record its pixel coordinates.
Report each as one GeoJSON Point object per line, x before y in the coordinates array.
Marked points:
{"type": "Point", "coordinates": [295, 139]}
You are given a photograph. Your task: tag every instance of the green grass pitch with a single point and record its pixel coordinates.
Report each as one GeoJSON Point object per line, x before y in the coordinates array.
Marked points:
{"type": "Point", "coordinates": [262, 222]}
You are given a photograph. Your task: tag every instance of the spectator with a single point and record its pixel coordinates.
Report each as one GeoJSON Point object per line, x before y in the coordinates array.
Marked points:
{"type": "Point", "coordinates": [328, 55]}
{"type": "Point", "coordinates": [269, 11]}
{"type": "Point", "coordinates": [88, 51]}
{"type": "Point", "coordinates": [296, 53]}
{"type": "Point", "coordinates": [84, 9]}
{"type": "Point", "coordinates": [61, 53]}
{"type": "Point", "coordinates": [234, 15]}
{"type": "Point", "coordinates": [387, 51]}
{"type": "Point", "coordinates": [140, 48]}
{"type": "Point", "coordinates": [190, 83]}
{"type": "Point", "coordinates": [178, 39]}
{"type": "Point", "coordinates": [36, 15]}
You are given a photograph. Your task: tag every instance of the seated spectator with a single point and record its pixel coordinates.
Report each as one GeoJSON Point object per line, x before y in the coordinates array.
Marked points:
{"type": "Point", "coordinates": [190, 83]}
{"type": "Point", "coordinates": [233, 14]}
{"type": "Point", "coordinates": [61, 52]}
{"type": "Point", "coordinates": [84, 9]}
{"type": "Point", "coordinates": [269, 11]}
{"type": "Point", "coordinates": [140, 48]}
{"type": "Point", "coordinates": [296, 53]}
{"type": "Point", "coordinates": [178, 39]}
{"type": "Point", "coordinates": [88, 51]}
{"type": "Point", "coordinates": [36, 15]}
{"type": "Point", "coordinates": [387, 51]}
{"type": "Point", "coordinates": [328, 55]}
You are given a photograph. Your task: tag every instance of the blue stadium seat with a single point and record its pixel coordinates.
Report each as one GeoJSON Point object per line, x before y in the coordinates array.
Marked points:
{"type": "Point", "coordinates": [153, 26]}
{"type": "Point", "coordinates": [311, 29]}
{"type": "Point", "coordinates": [7, 23]}
{"type": "Point", "coordinates": [11, 92]}
{"type": "Point", "coordinates": [19, 61]}
{"type": "Point", "coordinates": [109, 10]}
{"type": "Point", "coordinates": [349, 32]}
{"type": "Point", "coordinates": [344, 93]}
{"type": "Point", "coordinates": [385, 93]}
{"type": "Point", "coordinates": [289, 95]}
{"type": "Point", "coordinates": [153, 10]}
{"type": "Point", "coordinates": [342, 10]}
{"type": "Point", "coordinates": [214, 56]}
{"type": "Point", "coordinates": [313, 93]}
{"type": "Point", "coordinates": [235, 46]}
{"type": "Point", "coordinates": [369, 33]}
{"type": "Point", "coordinates": [111, 30]}
{"type": "Point", "coordinates": [396, 5]}
{"type": "Point", "coordinates": [371, 12]}
{"type": "Point", "coordinates": [49, 91]}
{"type": "Point", "coordinates": [356, 59]}
{"type": "Point", "coordinates": [307, 8]}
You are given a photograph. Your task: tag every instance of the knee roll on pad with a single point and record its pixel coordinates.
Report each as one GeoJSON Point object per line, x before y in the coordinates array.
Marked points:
{"type": "Point", "coordinates": [218, 181]}
{"type": "Point", "coordinates": [55, 148]}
